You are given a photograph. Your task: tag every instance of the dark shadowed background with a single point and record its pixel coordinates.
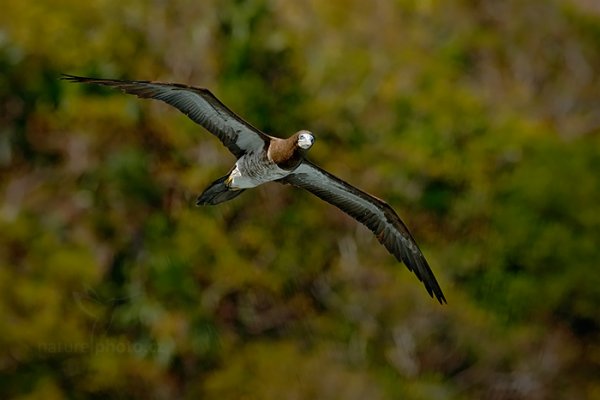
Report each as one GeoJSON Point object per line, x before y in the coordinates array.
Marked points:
{"type": "Point", "coordinates": [478, 121]}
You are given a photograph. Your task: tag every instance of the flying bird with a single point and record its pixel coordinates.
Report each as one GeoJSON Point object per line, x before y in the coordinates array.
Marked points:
{"type": "Point", "coordinates": [263, 158]}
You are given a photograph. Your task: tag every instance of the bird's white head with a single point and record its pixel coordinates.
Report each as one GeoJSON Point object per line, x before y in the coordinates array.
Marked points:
{"type": "Point", "coordinates": [305, 140]}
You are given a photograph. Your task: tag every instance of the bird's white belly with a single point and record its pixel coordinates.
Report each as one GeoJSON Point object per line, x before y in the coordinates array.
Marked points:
{"type": "Point", "coordinates": [252, 170]}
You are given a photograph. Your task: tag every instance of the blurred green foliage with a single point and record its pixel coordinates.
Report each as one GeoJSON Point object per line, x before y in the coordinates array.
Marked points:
{"type": "Point", "coordinates": [477, 120]}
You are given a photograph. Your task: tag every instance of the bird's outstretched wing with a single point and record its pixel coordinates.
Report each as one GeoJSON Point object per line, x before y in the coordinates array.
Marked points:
{"type": "Point", "coordinates": [376, 214]}
{"type": "Point", "coordinates": [199, 104]}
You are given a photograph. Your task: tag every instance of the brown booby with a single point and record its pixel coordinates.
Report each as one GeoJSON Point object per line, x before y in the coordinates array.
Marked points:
{"type": "Point", "coordinates": [263, 158]}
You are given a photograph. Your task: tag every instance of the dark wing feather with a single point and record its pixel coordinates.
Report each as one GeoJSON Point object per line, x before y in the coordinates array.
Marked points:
{"type": "Point", "coordinates": [198, 104]}
{"type": "Point", "coordinates": [377, 215]}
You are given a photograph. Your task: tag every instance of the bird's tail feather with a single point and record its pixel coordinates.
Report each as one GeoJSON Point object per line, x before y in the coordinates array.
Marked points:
{"type": "Point", "coordinates": [217, 192]}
